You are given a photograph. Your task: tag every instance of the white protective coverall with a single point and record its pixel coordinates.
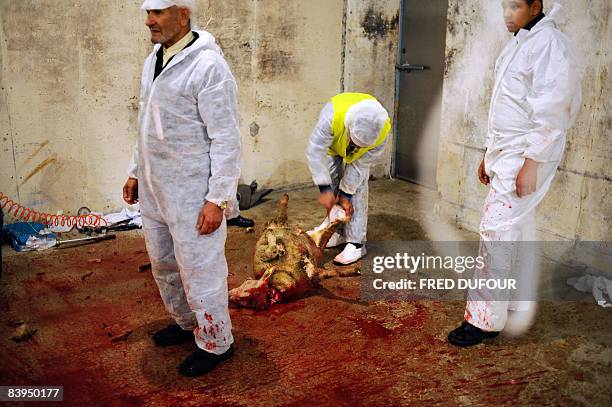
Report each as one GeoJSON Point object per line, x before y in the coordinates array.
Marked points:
{"type": "Point", "coordinates": [350, 178]}
{"type": "Point", "coordinates": [535, 99]}
{"type": "Point", "coordinates": [188, 152]}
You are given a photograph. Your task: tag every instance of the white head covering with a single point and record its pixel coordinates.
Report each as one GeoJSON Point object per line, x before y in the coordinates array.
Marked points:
{"type": "Point", "coordinates": [365, 120]}
{"type": "Point", "coordinates": [164, 4]}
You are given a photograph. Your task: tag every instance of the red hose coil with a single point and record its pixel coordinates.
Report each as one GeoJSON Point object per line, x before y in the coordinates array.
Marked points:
{"type": "Point", "coordinates": [25, 214]}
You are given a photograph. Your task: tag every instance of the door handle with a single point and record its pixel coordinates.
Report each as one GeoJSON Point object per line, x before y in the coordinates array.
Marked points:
{"type": "Point", "coordinates": [410, 67]}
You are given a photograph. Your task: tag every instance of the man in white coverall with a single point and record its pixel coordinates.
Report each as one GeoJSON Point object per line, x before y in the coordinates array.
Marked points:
{"type": "Point", "coordinates": [350, 135]}
{"type": "Point", "coordinates": [184, 170]}
{"type": "Point", "coordinates": [535, 99]}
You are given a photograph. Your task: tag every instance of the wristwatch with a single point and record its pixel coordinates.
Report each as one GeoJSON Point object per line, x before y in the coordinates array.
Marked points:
{"type": "Point", "coordinates": [222, 205]}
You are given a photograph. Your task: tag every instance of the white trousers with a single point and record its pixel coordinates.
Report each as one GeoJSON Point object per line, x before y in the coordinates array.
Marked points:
{"type": "Point", "coordinates": [356, 229]}
{"type": "Point", "coordinates": [508, 223]}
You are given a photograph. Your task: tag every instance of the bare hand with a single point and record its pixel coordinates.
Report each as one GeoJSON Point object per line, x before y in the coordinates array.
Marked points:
{"type": "Point", "coordinates": [327, 199]}
{"type": "Point", "coordinates": [482, 174]}
{"type": "Point", "coordinates": [130, 191]}
{"type": "Point", "coordinates": [527, 178]}
{"type": "Point", "coordinates": [346, 204]}
{"type": "Point", "coordinates": [210, 218]}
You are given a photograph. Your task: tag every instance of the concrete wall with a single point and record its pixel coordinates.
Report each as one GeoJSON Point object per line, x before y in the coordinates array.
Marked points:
{"type": "Point", "coordinates": [578, 205]}
{"type": "Point", "coordinates": [69, 82]}
{"type": "Point", "coordinates": [372, 36]}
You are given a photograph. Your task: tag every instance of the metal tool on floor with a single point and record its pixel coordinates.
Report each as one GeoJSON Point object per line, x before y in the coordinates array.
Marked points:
{"type": "Point", "coordinates": [83, 241]}
{"type": "Point", "coordinates": [117, 227]}
{"type": "Point", "coordinates": [90, 230]}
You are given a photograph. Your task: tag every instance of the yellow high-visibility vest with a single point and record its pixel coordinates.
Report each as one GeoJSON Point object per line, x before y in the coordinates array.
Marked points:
{"type": "Point", "coordinates": [341, 140]}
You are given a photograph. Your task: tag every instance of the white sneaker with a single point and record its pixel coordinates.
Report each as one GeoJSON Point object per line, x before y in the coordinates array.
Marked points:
{"type": "Point", "coordinates": [350, 255]}
{"type": "Point", "coordinates": [336, 240]}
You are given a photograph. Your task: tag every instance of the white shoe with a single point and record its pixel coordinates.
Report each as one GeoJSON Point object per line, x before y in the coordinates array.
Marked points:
{"type": "Point", "coordinates": [349, 255]}
{"type": "Point", "coordinates": [336, 240]}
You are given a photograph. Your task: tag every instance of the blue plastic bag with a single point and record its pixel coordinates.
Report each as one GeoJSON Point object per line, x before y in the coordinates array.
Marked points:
{"type": "Point", "coordinates": [19, 233]}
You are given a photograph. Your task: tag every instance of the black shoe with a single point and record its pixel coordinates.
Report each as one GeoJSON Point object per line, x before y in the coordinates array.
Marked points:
{"type": "Point", "coordinates": [469, 335]}
{"type": "Point", "coordinates": [172, 335]}
{"type": "Point", "coordinates": [200, 362]}
{"type": "Point", "coordinates": [241, 222]}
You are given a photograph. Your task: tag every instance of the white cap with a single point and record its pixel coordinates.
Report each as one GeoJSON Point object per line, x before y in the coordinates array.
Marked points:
{"type": "Point", "coordinates": [164, 4]}
{"type": "Point", "coordinates": [365, 120]}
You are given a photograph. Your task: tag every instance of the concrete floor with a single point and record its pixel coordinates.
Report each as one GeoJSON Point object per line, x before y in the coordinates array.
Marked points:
{"type": "Point", "coordinates": [95, 312]}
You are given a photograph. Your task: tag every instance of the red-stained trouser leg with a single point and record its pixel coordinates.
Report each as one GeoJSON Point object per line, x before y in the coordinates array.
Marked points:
{"type": "Point", "coordinates": [194, 287]}
{"type": "Point", "coordinates": [507, 221]}
{"type": "Point", "coordinates": [204, 273]}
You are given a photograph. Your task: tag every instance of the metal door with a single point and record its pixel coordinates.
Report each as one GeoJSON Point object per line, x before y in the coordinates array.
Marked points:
{"type": "Point", "coordinates": [420, 74]}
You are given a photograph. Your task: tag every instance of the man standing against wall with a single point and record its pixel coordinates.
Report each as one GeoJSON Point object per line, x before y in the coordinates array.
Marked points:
{"type": "Point", "coordinates": [184, 171]}
{"type": "Point", "coordinates": [535, 100]}
{"type": "Point", "coordinates": [350, 135]}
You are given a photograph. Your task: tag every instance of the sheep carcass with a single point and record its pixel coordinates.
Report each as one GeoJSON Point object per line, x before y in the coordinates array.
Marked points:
{"type": "Point", "coordinates": [286, 261]}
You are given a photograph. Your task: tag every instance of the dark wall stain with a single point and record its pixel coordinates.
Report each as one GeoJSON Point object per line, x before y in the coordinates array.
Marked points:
{"type": "Point", "coordinates": [453, 14]}
{"type": "Point", "coordinates": [376, 26]}
{"type": "Point", "coordinates": [39, 168]}
{"type": "Point", "coordinates": [40, 147]}
{"type": "Point", "coordinates": [449, 60]}
{"type": "Point", "coordinates": [461, 20]}
{"type": "Point", "coordinates": [254, 129]}
{"type": "Point", "coordinates": [603, 75]}
{"type": "Point", "coordinates": [232, 26]}
{"type": "Point", "coordinates": [274, 63]}
{"type": "Point", "coordinates": [276, 59]}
